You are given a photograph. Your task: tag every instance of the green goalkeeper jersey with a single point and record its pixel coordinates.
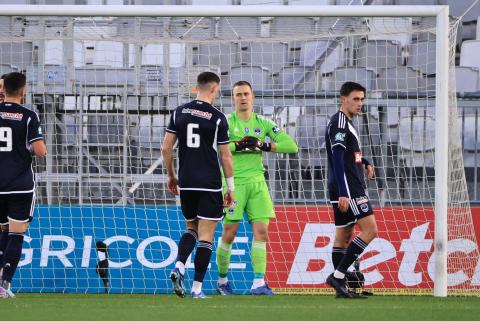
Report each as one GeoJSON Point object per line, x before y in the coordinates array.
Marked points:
{"type": "Point", "coordinates": [248, 166]}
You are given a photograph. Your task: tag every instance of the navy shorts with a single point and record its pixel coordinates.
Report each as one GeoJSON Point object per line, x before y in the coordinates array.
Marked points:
{"type": "Point", "coordinates": [202, 205]}
{"type": "Point", "coordinates": [16, 207]}
{"type": "Point", "coordinates": [359, 208]}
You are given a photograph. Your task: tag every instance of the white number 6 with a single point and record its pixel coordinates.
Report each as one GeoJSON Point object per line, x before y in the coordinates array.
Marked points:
{"type": "Point", "coordinates": [193, 140]}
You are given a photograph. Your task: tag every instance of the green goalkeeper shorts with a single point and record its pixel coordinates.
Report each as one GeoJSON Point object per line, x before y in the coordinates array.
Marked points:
{"type": "Point", "coordinates": [254, 200]}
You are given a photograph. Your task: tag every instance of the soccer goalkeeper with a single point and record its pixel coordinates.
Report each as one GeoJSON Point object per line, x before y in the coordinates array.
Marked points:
{"type": "Point", "coordinates": [247, 135]}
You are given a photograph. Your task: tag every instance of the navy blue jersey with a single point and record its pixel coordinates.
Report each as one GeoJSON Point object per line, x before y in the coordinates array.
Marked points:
{"type": "Point", "coordinates": [199, 128]}
{"type": "Point", "coordinates": [19, 127]}
{"type": "Point", "coordinates": [341, 132]}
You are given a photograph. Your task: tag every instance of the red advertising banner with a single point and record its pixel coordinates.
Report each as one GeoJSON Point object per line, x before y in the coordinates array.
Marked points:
{"type": "Point", "coordinates": [301, 240]}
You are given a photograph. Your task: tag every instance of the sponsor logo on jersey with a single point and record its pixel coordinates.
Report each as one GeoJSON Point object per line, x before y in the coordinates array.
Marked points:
{"type": "Point", "coordinates": [340, 137]}
{"type": "Point", "coordinates": [358, 157]}
{"type": "Point", "coordinates": [247, 130]}
{"type": "Point", "coordinates": [361, 200]}
{"type": "Point", "coordinates": [257, 131]}
{"type": "Point", "coordinates": [197, 113]}
{"type": "Point", "coordinates": [11, 116]}
{"type": "Point", "coordinates": [276, 130]}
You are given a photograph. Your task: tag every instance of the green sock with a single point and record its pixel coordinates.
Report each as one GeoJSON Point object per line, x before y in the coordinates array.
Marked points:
{"type": "Point", "coordinates": [259, 258]}
{"type": "Point", "coordinates": [224, 252]}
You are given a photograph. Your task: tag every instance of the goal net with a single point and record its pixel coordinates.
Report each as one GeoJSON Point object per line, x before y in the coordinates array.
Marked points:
{"type": "Point", "coordinates": [104, 88]}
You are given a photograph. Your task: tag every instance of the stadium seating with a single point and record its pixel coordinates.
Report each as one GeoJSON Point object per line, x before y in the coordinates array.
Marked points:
{"type": "Point", "coordinates": [416, 141]}
{"type": "Point", "coordinates": [256, 75]}
{"type": "Point", "coordinates": [467, 79]}
{"type": "Point", "coordinates": [271, 55]}
{"type": "Point", "coordinates": [398, 80]}
{"type": "Point", "coordinates": [364, 76]}
{"type": "Point", "coordinates": [421, 56]}
{"type": "Point", "coordinates": [390, 29]}
{"type": "Point", "coordinates": [378, 54]}
{"type": "Point", "coordinates": [18, 54]}
{"type": "Point", "coordinates": [296, 79]}
{"type": "Point", "coordinates": [304, 72]}
{"type": "Point", "coordinates": [222, 55]}
{"type": "Point", "coordinates": [469, 54]}
{"type": "Point", "coordinates": [471, 140]}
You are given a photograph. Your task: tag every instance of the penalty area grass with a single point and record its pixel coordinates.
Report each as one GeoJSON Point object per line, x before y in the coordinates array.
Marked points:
{"type": "Point", "coordinates": [118, 307]}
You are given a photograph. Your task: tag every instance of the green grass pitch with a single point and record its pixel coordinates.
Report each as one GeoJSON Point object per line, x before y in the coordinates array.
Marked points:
{"type": "Point", "coordinates": [72, 307]}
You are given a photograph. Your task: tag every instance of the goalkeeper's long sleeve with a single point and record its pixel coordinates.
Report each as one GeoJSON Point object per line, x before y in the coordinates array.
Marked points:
{"type": "Point", "coordinates": [284, 143]}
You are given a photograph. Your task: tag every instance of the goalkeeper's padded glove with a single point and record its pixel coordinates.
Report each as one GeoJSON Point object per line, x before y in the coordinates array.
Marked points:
{"type": "Point", "coordinates": [253, 143]}
{"type": "Point", "coordinates": [241, 145]}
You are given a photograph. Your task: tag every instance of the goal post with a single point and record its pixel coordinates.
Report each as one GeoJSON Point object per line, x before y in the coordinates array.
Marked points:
{"type": "Point", "coordinates": [104, 101]}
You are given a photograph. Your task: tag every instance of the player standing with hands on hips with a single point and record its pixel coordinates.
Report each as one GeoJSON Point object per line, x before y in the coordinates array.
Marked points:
{"type": "Point", "coordinates": [202, 132]}
{"type": "Point", "coordinates": [346, 187]}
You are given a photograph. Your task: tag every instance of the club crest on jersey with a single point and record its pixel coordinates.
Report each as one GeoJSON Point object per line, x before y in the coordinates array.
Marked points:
{"type": "Point", "coordinates": [11, 116]}
{"type": "Point", "coordinates": [247, 130]}
{"type": "Point", "coordinates": [231, 209]}
{"type": "Point", "coordinates": [276, 130]}
{"type": "Point", "coordinates": [340, 137]}
{"type": "Point", "coordinates": [257, 131]}
{"type": "Point", "coordinates": [364, 208]}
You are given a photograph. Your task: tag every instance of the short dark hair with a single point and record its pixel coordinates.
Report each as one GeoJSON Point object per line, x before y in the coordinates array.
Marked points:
{"type": "Point", "coordinates": [350, 86]}
{"type": "Point", "coordinates": [13, 82]}
{"type": "Point", "coordinates": [242, 83]}
{"type": "Point", "coordinates": [3, 76]}
{"type": "Point", "coordinates": [206, 78]}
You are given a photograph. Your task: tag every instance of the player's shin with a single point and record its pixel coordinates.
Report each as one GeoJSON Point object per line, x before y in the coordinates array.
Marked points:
{"type": "Point", "coordinates": [224, 252]}
{"type": "Point", "coordinates": [356, 247]}
{"type": "Point", "coordinates": [185, 248]}
{"type": "Point", "coordinates": [3, 246]}
{"type": "Point", "coordinates": [337, 255]}
{"type": "Point", "coordinates": [202, 258]}
{"type": "Point", "coordinates": [12, 256]}
{"type": "Point", "coordinates": [259, 262]}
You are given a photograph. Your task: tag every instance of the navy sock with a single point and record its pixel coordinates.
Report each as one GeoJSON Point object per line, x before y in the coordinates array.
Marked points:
{"type": "Point", "coordinates": [202, 258]}
{"type": "Point", "coordinates": [355, 248]}
{"type": "Point", "coordinates": [3, 245]}
{"type": "Point", "coordinates": [186, 245]}
{"type": "Point", "coordinates": [337, 255]}
{"type": "Point", "coordinates": [12, 255]}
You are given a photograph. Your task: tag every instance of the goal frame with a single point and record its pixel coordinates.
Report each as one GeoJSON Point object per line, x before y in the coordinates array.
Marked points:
{"type": "Point", "coordinates": [441, 13]}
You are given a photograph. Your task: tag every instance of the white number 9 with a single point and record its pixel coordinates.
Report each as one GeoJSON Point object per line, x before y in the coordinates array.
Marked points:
{"type": "Point", "coordinates": [6, 137]}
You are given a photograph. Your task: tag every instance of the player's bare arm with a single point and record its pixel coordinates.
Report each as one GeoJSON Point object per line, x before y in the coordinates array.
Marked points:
{"type": "Point", "coordinates": [39, 148]}
{"type": "Point", "coordinates": [227, 165]}
{"type": "Point", "coordinates": [167, 153]}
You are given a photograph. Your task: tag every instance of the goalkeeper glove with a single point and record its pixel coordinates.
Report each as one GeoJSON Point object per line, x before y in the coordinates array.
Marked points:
{"type": "Point", "coordinates": [242, 145]}
{"type": "Point", "coordinates": [253, 143]}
